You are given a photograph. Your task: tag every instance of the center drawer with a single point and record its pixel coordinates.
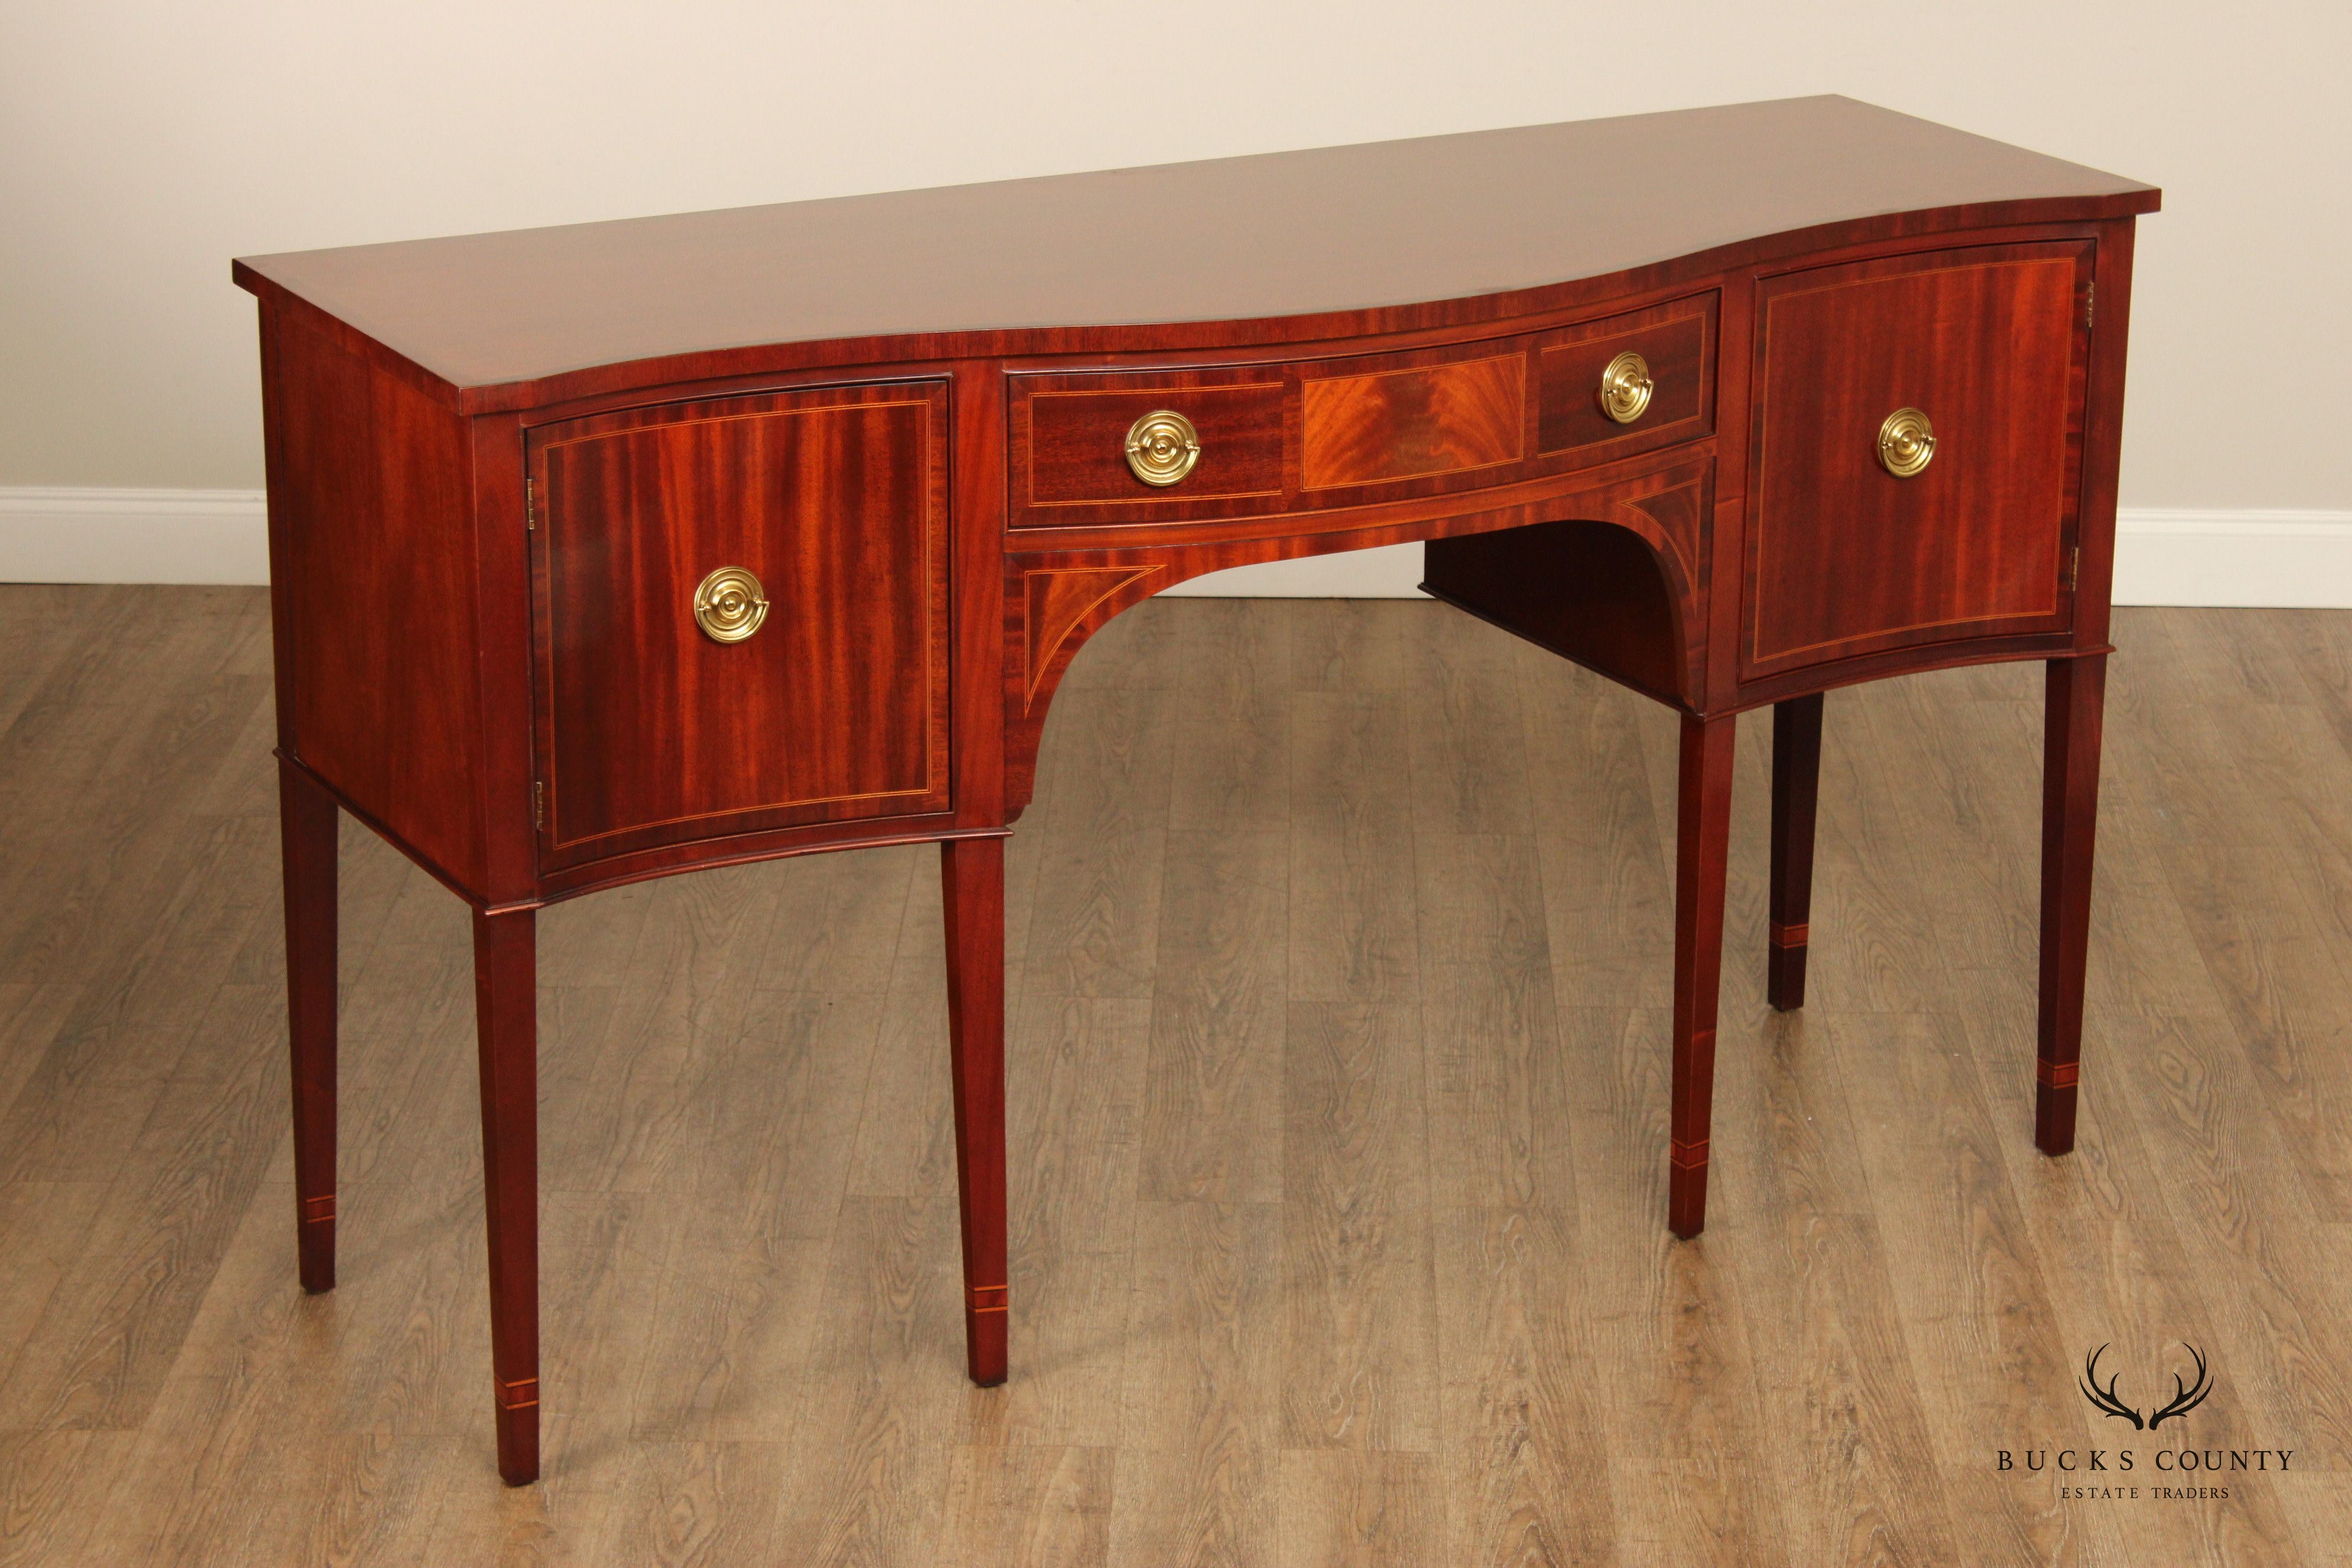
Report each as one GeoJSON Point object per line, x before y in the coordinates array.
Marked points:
{"type": "Point", "coordinates": [1182, 443]}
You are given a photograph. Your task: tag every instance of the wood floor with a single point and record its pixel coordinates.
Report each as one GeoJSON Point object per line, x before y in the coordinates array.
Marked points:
{"type": "Point", "coordinates": [1338, 1088]}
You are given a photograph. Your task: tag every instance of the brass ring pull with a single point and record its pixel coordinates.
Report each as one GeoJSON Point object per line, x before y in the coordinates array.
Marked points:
{"type": "Point", "coordinates": [1162, 447]}
{"type": "Point", "coordinates": [1906, 442]}
{"type": "Point", "coordinates": [1625, 387]}
{"type": "Point", "coordinates": [729, 605]}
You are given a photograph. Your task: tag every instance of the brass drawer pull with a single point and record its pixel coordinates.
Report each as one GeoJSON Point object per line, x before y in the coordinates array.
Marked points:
{"type": "Point", "coordinates": [1162, 447]}
{"type": "Point", "coordinates": [1625, 387]}
{"type": "Point", "coordinates": [729, 607]}
{"type": "Point", "coordinates": [1905, 442]}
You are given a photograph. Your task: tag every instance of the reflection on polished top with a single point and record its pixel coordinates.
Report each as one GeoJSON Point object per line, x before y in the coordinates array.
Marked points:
{"type": "Point", "coordinates": [1278, 234]}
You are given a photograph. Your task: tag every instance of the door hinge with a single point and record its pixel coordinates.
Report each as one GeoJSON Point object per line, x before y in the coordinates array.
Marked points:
{"type": "Point", "coordinates": [2073, 569]}
{"type": "Point", "coordinates": [2090, 303]}
{"type": "Point", "coordinates": [530, 504]}
{"type": "Point", "coordinates": [539, 804]}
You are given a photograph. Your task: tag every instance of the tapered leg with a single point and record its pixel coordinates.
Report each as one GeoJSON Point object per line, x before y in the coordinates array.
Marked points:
{"type": "Point", "coordinates": [2069, 816]}
{"type": "Point", "coordinates": [974, 870]}
{"type": "Point", "coordinates": [1702, 843]}
{"type": "Point", "coordinates": [307, 823]}
{"type": "Point", "coordinates": [506, 1016]}
{"type": "Point", "coordinates": [1796, 787]}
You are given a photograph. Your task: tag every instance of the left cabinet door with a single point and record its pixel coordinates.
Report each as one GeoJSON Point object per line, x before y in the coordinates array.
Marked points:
{"type": "Point", "coordinates": [807, 683]}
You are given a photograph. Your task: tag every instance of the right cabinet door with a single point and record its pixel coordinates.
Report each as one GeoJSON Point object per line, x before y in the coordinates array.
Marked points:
{"type": "Point", "coordinates": [1917, 443]}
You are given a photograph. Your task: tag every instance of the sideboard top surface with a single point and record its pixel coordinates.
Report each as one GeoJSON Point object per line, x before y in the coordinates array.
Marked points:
{"type": "Point", "coordinates": [1329, 230]}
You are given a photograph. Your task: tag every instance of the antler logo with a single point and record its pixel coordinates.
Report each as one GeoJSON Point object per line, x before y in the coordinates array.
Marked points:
{"type": "Point", "coordinates": [2184, 1399]}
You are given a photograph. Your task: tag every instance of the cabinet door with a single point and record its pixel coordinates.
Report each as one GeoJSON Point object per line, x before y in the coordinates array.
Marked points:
{"type": "Point", "coordinates": [654, 731]}
{"type": "Point", "coordinates": [1846, 557]}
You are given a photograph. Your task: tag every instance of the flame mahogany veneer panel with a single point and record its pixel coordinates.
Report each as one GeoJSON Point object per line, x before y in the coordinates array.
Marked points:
{"type": "Point", "coordinates": [1991, 344]}
{"type": "Point", "coordinates": [837, 707]}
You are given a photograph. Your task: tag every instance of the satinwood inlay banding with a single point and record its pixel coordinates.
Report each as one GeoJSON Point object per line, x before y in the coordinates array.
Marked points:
{"type": "Point", "coordinates": [2057, 1074]}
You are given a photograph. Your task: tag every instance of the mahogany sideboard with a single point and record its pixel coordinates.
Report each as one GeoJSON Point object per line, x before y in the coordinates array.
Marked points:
{"type": "Point", "coordinates": [605, 551]}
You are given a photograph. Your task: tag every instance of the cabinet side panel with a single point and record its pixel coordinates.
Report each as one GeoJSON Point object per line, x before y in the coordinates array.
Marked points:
{"type": "Point", "coordinates": [371, 537]}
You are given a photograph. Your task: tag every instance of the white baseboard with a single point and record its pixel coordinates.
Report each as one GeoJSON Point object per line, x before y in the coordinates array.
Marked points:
{"type": "Point", "coordinates": [2251, 558]}
{"type": "Point", "coordinates": [67, 535]}
{"type": "Point", "coordinates": [2163, 555]}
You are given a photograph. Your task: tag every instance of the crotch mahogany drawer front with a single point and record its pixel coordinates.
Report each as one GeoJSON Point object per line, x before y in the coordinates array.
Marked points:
{"type": "Point", "coordinates": [1185, 443]}
{"type": "Point", "coordinates": [1368, 423]}
{"type": "Point", "coordinates": [741, 615]}
{"type": "Point", "coordinates": [1917, 443]}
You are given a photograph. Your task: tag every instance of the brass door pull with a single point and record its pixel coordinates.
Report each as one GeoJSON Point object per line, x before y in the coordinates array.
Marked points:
{"type": "Point", "coordinates": [729, 605]}
{"type": "Point", "coordinates": [1906, 442]}
{"type": "Point", "coordinates": [1625, 387]}
{"type": "Point", "coordinates": [1162, 447]}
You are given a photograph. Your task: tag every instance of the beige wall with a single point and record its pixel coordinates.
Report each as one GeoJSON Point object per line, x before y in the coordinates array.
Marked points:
{"type": "Point", "coordinates": [142, 144]}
